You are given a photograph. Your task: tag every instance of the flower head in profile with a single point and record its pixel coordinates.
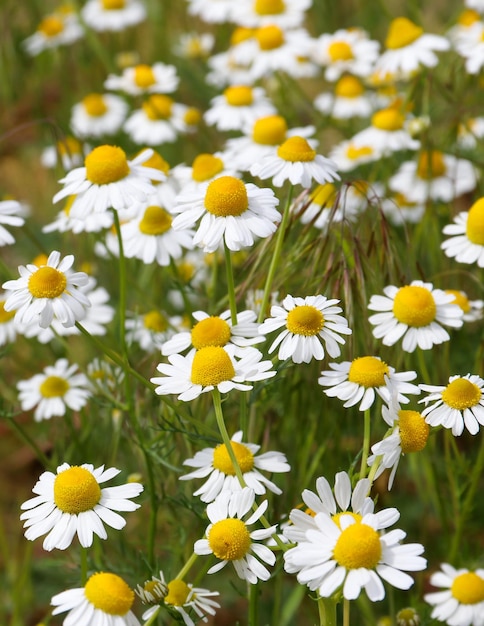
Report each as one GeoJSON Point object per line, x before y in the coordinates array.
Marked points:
{"type": "Point", "coordinates": [72, 501]}
{"type": "Point", "coordinates": [473, 309]}
{"type": "Point", "coordinates": [56, 29]}
{"type": "Point", "coordinates": [105, 599]}
{"type": "Point", "coordinates": [456, 406]}
{"type": "Point", "coordinates": [229, 539]}
{"type": "Point", "coordinates": [238, 107]}
{"type": "Point", "coordinates": [143, 79]}
{"type": "Point", "coordinates": [466, 244]}
{"type": "Point", "coordinates": [151, 329]}
{"type": "Point", "coordinates": [414, 313]}
{"type": "Point", "coordinates": [113, 15]}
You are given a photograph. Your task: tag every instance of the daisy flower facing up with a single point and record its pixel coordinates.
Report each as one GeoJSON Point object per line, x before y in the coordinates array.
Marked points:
{"type": "Point", "coordinates": [458, 405]}
{"type": "Point", "coordinates": [11, 215]}
{"type": "Point", "coordinates": [466, 245]}
{"type": "Point", "coordinates": [159, 120]}
{"type": "Point", "coordinates": [238, 107]}
{"type": "Point", "coordinates": [415, 313]}
{"type": "Point", "coordinates": [232, 212]}
{"type": "Point", "coordinates": [308, 323]}
{"type": "Point", "coordinates": [461, 600]}
{"type": "Point", "coordinates": [209, 368]}
{"type": "Point", "coordinates": [98, 115]}
{"type": "Point", "coordinates": [229, 539]}
{"type": "Point", "coordinates": [72, 501]}
{"type": "Point", "coordinates": [346, 51]}
{"type": "Point", "coordinates": [363, 378]}
{"type": "Point", "coordinates": [215, 465]}
{"type": "Point", "coordinates": [143, 79]}
{"type": "Point", "coordinates": [113, 15]}
{"type": "Point", "coordinates": [105, 599]}
{"type": "Point", "coordinates": [59, 387]}
{"type": "Point", "coordinates": [351, 554]}
{"type": "Point", "coordinates": [52, 289]}
{"type": "Point", "coordinates": [109, 180]}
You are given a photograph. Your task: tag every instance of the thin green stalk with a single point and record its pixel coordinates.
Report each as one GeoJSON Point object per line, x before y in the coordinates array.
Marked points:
{"type": "Point", "coordinates": [217, 403]}
{"type": "Point", "coordinates": [122, 288]}
{"type": "Point", "coordinates": [346, 612]}
{"type": "Point", "coordinates": [83, 566]}
{"type": "Point", "coordinates": [153, 618]}
{"type": "Point", "coordinates": [366, 443]}
{"type": "Point", "coordinates": [181, 574]}
{"type": "Point", "coordinates": [253, 605]}
{"type": "Point", "coordinates": [327, 612]}
{"type": "Point", "coordinates": [230, 285]}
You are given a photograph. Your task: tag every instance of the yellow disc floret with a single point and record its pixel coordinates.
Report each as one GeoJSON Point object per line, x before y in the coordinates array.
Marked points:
{"type": "Point", "coordinates": [51, 26]}
{"type": "Point", "coordinates": [94, 105]}
{"type": "Point", "coordinates": [211, 331]}
{"type": "Point", "coordinates": [113, 5]}
{"type": "Point", "coordinates": [389, 119]}
{"type": "Point", "coordinates": [269, 7]}
{"type": "Point", "coordinates": [431, 165]}
{"type": "Point", "coordinates": [337, 517]}
{"type": "Point", "coordinates": [225, 196]}
{"type": "Point", "coordinates": [415, 306]}
{"type": "Point", "coordinates": [76, 490]}
{"type": "Point", "coordinates": [468, 17]}
{"type": "Point", "coordinates": [5, 316]}
{"type": "Point", "coordinates": [54, 387]}
{"type": "Point", "coordinates": [157, 162]}
{"type": "Point", "coordinates": [305, 320]}
{"type": "Point", "coordinates": [211, 366]}
{"type": "Point", "coordinates": [475, 223]}
{"type": "Point", "coordinates": [357, 152]}
{"type": "Point", "coordinates": [158, 107]}
{"type": "Point", "coordinates": [402, 32]}
{"type": "Point", "coordinates": [206, 166]}
{"type": "Point", "coordinates": [178, 592]}
{"type": "Point", "coordinates": [296, 149]}
{"type": "Point", "coordinates": [47, 282]}
{"type": "Point", "coordinates": [358, 546]}
{"type": "Point", "coordinates": [155, 321]}
{"type": "Point", "coordinates": [270, 130]}
{"type": "Point", "coordinates": [229, 539]}
{"type": "Point", "coordinates": [461, 394]}
{"type": "Point", "coordinates": [368, 371]}
{"type": "Point", "coordinates": [468, 588]}
{"type": "Point", "coordinates": [155, 221]}
{"type": "Point", "coordinates": [223, 462]}
{"type": "Point", "coordinates": [144, 76]}
{"type": "Point", "coordinates": [239, 95]}
{"type": "Point", "coordinates": [460, 299]}
{"type": "Point", "coordinates": [349, 87]}
{"type": "Point", "coordinates": [324, 195]}
{"type": "Point", "coordinates": [414, 431]}
{"type": "Point", "coordinates": [269, 37]}
{"type": "Point", "coordinates": [340, 51]}
{"type": "Point", "coordinates": [106, 164]}
{"type": "Point", "coordinates": [109, 593]}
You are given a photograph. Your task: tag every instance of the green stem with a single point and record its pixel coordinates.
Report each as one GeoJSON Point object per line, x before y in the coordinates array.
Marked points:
{"type": "Point", "coordinates": [276, 256]}
{"type": "Point", "coordinates": [253, 605]}
{"type": "Point", "coordinates": [230, 285]}
{"type": "Point", "coordinates": [346, 612]}
{"type": "Point", "coordinates": [327, 612]}
{"type": "Point", "coordinates": [83, 566]}
{"type": "Point", "coordinates": [153, 618]}
{"type": "Point", "coordinates": [217, 403]}
{"type": "Point", "coordinates": [181, 574]}
{"type": "Point", "coordinates": [366, 443]}
{"type": "Point", "coordinates": [122, 288]}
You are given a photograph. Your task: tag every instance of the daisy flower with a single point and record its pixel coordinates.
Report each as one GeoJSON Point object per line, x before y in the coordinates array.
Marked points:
{"type": "Point", "coordinates": [415, 313]}
{"type": "Point", "coordinates": [11, 214]}
{"type": "Point", "coordinates": [232, 212]}
{"type": "Point", "coordinates": [361, 380]}
{"type": "Point", "coordinates": [72, 501]}
{"type": "Point", "coordinates": [151, 330]}
{"type": "Point", "coordinates": [310, 325]}
{"type": "Point", "coordinates": [400, 210]}
{"type": "Point", "coordinates": [68, 152]}
{"type": "Point", "coordinates": [159, 120]}
{"type": "Point", "coordinates": [113, 15]}
{"type": "Point", "coordinates": [461, 599]}
{"type": "Point", "coordinates": [458, 405]}
{"type": "Point", "coordinates": [345, 51]}
{"type": "Point", "coordinates": [347, 155]}
{"type": "Point", "coordinates": [350, 554]}
{"type": "Point", "coordinates": [205, 168]}
{"type": "Point", "coordinates": [215, 465]}
{"type": "Point", "coordinates": [229, 539]}
{"type": "Point", "coordinates": [285, 14]}
{"type": "Point", "coordinates": [98, 115]}
{"type": "Point", "coordinates": [237, 107]}
{"type": "Point", "coordinates": [194, 45]}
{"type": "Point", "coordinates": [473, 309]}
{"type": "Point", "coordinates": [469, 132]}
{"type": "Point", "coordinates": [105, 599]}
{"type": "Point", "coordinates": [56, 29]}
{"type": "Point", "coordinates": [91, 223]}
{"type": "Point", "coordinates": [471, 48]}
{"type": "Point", "coordinates": [144, 79]}
{"type": "Point", "coordinates": [103, 375]}
{"type": "Point", "coordinates": [349, 100]}
{"type": "Point", "coordinates": [209, 368]}
{"type": "Point", "coordinates": [466, 19]}
{"type": "Point", "coordinates": [212, 11]}
{"type": "Point", "coordinates": [109, 180]}
{"type": "Point", "coordinates": [466, 244]}
{"type": "Point", "coordinates": [8, 327]}
{"type": "Point", "coordinates": [52, 289]}
{"type": "Point", "coordinates": [59, 387]}
{"type": "Point", "coordinates": [408, 48]}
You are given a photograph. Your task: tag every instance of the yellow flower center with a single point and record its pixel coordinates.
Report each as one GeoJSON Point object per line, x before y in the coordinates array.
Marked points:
{"type": "Point", "coordinates": [157, 162]}
{"type": "Point", "coordinates": [158, 107]}
{"type": "Point", "coordinates": [349, 87]}
{"type": "Point", "coordinates": [225, 196]}
{"type": "Point", "coordinates": [269, 37]}
{"type": "Point", "coordinates": [178, 592]}
{"type": "Point", "coordinates": [402, 32]}
{"type": "Point", "coordinates": [296, 149]}
{"type": "Point", "coordinates": [468, 17]}
{"type": "Point", "coordinates": [388, 119]}
{"type": "Point", "coordinates": [337, 516]}
{"type": "Point", "coordinates": [113, 5]}
{"type": "Point", "coordinates": [358, 546]}
{"type": "Point", "coordinates": [468, 588]}
{"type": "Point", "coordinates": [76, 490]}
{"type": "Point", "coordinates": [269, 7]}
{"type": "Point", "coordinates": [144, 76]}
{"type": "Point", "coordinates": [185, 271]}
{"type": "Point", "coordinates": [240, 34]}
{"type": "Point", "coordinates": [461, 394]}
{"type": "Point", "coordinates": [431, 165]}
{"type": "Point", "coordinates": [460, 299]}
{"type": "Point", "coordinates": [69, 145]}
{"type": "Point", "coordinates": [192, 116]}
{"type": "Point", "coordinates": [109, 593]}
{"type": "Point", "coordinates": [5, 316]}
{"type": "Point", "coordinates": [211, 366]}
{"type": "Point", "coordinates": [475, 223]}
{"type": "Point", "coordinates": [414, 431]}
{"type": "Point", "coordinates": [47, 282]}
{"type": "Point", "coordinates": [239, 96]}
{"type": "Point", "coordinates": [54, 387]}
{"type": "Point", "coordinates": [368, 371]}
{"type": "Point", "coordinates": [155, 588]}
{"type": "Point", "coordinates": [155, 221]}
{"type": "Point", "coordinates": [403, 202]}
{"type": "Point", "coordinates": [205, 167]}
{"type": "Point", "coordinates": [324, 195]}
{"type": "Point", "coordinates": [94, 105]}
{"type": "Point", "coordinates": [229, 539]}
{"type": "Point", "coordinates": [415, 306]}
{"type": "Point", "coordinates": [270, 130]}
{"type": "Point", "coordinates": [211, 331]}
{"type": "Point", "coordinates": [305, 320]}
{"type": "Point", "coordinates": [106, 164]}
{"type": "Point", "coordinates": [155, 321]}
{"type": "Point", "coordinates": [51, 26]}
{"type": "Point", "coordinates": [222, 461]}
{"type": "Point", "coordinates": [340, 51]}
{"type": "Point", "coordinates": [357, 152]}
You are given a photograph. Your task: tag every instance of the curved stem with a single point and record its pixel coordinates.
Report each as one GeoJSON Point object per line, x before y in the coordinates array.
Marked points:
{"type": "Point", "coordinates": [217, 403]}
{"type": "Point", "coordinates": [230, 285]}
{"type": "Point", "coordinates": [181, 574]}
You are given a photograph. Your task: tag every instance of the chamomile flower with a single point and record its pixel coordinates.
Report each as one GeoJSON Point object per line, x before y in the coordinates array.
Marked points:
{"type": "Point", "coordinates": [105, 599]}
{"type": "Point", "coordinates": [216, 466]}
{"type": "Point", "coordinates": [159, 120]}
{"type": "Point", "coordinates": [466, 19]}
{"type": "Point", "coordinates": [72, 501]}
{"type": "Point", "coordinates": [56, 29]}
{"type": "Point", "coordinates": [205, 168]}
{"type": "Point", "coordinates": [8, 327]}
{"type": "Point", "coordinates": [91, 223]}
{"type": "Point", "coordinates": [408, 48]}
{"type": "Point", "coordinates": [350, 553]}
{"type": "Point", "coordinates": [144, 79]}
{"type": "Point", "coordinates": [310, 325]}
{"type": "Point", "coordinates": [281, 13]}
{"type": "Point", "coordinates": [98, 115]}
{"type": "Point", "coordinates": [237, 107]}
{"type": "Point", "coordinates": [229, 539]}
{"type": "Point", "coordinates": [104, 375]}
{"type": "Point", "coordinates": [414, 313]}
{"type": "Point", "coordinates": [231, 212]}
{"type": "Point", "coordinates": [209, 368]}
{"type": "Point", "coordinates": [400, 210]}
{"type": "Point", "coordinates": [345, 51]}
{"type": "Point", "coordinates": [466, 244]}
{"type": "Point", "coordinates": [113, 15]}
{"type": "Point", "coordinates": [473, 309]}
{"type": "Point", "coordinates": [68, 152]}
{"type": "Point", "coordinates": [348, 100]}
{"type": "Point", "coordinates": [470, 132]}
{"type": "Point", "coordinates": [108, 180]}
{"type": "Point", "coordinates": [51, 290]}
{"type": "Point", "coordinates": [471, 48]}
{"type": "Point", "coordinates": [461, 599]}
{"type": "Point", "coordinates": [212, 11]}
{"type": "Point", "coordinates": [60, 387]}
{"type": "Point", "coordinates": [151, 330]}
{"type": "Point", "coordinates": [11, 214]}
{"type": "Point", "coordinates": [194, 45]}
{"type": "Point", "coordinates": [347, 155]}
{"type": "Point", "coordinates": [361, 380]}
{"type": "Point", "coordinates": [456, 406]}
